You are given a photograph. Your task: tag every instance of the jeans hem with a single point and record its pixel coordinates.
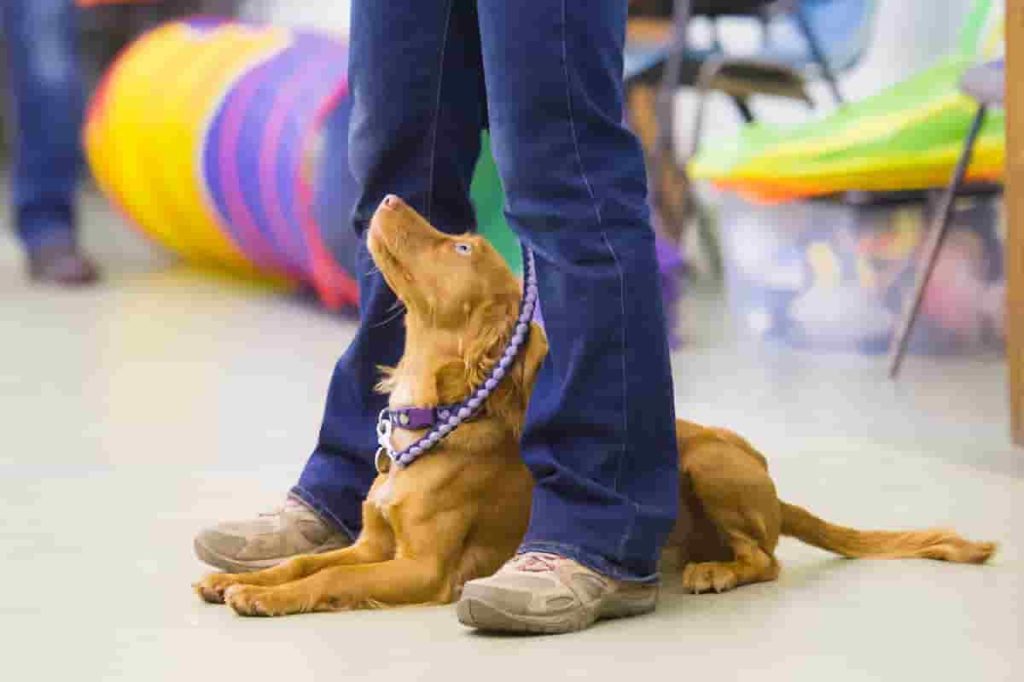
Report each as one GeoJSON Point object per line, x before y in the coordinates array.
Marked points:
{"type": "Point", "coordinates": [589, 559]}
{"type": "Point", "coordinates": [321, 510]}
{"type": "Point", "coordinates": [35, 236]}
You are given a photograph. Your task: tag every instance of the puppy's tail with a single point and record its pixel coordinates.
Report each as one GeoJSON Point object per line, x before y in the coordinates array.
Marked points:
{"type": "Point", "coordinates": [940, 544]}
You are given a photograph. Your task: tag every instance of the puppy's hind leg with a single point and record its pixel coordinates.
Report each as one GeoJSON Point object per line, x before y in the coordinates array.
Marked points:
{"type": "Point", "coordinates": [739, 499]}
{"type": "Point", "coordinates": [751, 565]}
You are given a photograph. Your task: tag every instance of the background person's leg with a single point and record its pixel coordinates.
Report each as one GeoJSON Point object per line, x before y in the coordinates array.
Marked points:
{"type": "Point", "coordinates": [418, 111]}
{"type": "Point", "coordinates": [600, 434]}
{"type": "Point", "coordinates": [47, 95]}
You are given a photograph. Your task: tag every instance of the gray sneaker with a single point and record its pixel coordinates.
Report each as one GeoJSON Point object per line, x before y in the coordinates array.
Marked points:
{"type": "Point", "coordinates": [243, 546]}
{"type": "Point", "coordinates": [548, 594]}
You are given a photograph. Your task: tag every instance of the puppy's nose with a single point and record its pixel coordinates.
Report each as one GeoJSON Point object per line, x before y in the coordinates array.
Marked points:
{"type": "Point", "coordinates": [391, 202]}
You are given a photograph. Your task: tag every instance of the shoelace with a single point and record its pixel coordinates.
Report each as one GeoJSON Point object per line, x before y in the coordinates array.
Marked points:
{"type": "Point", "coordinates": [536, 562]}
{"type": "Point", "coordinates": [278, 511]}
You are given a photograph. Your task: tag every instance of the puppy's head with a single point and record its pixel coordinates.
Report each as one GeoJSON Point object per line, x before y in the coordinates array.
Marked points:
{"type": "Point", "coordinates": [462, 302]}
{"type": "Point", "coordinates": [443, 280]}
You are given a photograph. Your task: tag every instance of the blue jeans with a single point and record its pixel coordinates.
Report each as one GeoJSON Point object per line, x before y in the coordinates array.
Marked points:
{"type": "Point", "coordinates": [47, 94]}
{"type": "Point", "coordinates": [545, 75]}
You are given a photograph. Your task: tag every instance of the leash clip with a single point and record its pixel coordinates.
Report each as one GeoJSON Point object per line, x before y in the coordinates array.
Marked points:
{"type": "Point", "coordinates": [385, 453]}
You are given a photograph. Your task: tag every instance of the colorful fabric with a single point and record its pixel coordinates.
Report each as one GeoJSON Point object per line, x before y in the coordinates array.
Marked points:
{"type": "Point", "coordinates": [907, 137]}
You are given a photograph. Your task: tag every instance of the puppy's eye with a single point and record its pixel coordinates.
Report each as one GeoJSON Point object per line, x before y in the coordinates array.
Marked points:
{"type": "Point", "coordinates": [464, 249]}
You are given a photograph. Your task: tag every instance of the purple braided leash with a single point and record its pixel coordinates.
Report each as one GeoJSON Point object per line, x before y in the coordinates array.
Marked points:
{"type": "Point", "coordinates": [467, 408]}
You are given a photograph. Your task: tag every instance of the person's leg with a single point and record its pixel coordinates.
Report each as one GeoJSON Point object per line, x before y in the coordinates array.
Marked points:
{"type": "Point", "coordinates": [417, 115]}
{"type": "Point", "coordinates": [418, 111]}
{"type": "Point", "coordinates": [600, 427]}
{"type": "Point", "coordinates": [47, 97]}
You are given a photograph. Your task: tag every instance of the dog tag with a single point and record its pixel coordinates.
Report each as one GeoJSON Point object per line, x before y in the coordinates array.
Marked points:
{"type": "Point", "coordinates": [382, 461]}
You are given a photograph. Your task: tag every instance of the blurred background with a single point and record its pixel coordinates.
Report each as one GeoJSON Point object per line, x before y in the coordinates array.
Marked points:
{"type": "Point", "coordinates": [177, 279]}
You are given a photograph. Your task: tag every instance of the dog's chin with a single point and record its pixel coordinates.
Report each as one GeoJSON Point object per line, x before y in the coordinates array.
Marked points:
{"type": "Point", "coordinates": [384, 259]}
{"type": "Point", "coordinates": [376, 240]}
{"type": "Point", "coordinates": [397, 280]}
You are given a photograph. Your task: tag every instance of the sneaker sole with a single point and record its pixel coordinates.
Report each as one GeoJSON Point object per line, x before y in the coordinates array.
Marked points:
{"type": "Point", "coordinates": [226, 563]}
{"type": "Point", "coordinates": [476, 610]}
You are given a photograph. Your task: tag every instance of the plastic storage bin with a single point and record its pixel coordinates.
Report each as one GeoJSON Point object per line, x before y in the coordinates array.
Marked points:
{"type": "Point", "coordinates": [833, 274]}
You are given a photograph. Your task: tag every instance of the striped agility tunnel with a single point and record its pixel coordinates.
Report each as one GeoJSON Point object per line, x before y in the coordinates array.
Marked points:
{"type": "Point", "coordinates": [226, 143]}
{"type": "Point", "coordinates": [210, 135]}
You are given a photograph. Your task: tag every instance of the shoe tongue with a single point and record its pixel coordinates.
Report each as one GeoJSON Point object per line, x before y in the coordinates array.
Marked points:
{"type": "Point", "coordinates": [292, 504]}
{"type": "Point", "coordinates": [306, 520]}
{"type": "Point", "coordinates": [537, 562]}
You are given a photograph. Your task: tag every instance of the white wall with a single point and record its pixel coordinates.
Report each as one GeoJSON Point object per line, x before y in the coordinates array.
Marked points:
{"type": "Point", "coordinates": [327, 15]}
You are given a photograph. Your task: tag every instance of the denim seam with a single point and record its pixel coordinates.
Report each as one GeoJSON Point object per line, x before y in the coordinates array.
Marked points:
{"type": "Point", "coordinates": [572, 120]}
{"type": "Point", "coordinates": [437, 113]}
{"type": "Point", "coordinates": [628, 534]}
{"type": "Point", "coordinates": [322, 510]}
{"type": "Point", "coordinates": [622, 349]}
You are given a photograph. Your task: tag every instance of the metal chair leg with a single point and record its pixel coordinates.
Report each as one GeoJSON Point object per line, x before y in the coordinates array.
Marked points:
{"type": "Point", "coordinates": [819, 54]}
{"type": "Point", "coordinates": [706, 75]}
{"type": "Point", "coordinates": [682, 12]}
{"type": "Point", "coordinates": [930, 251]}
{"type": "Point", "coordinates": [743, 107]}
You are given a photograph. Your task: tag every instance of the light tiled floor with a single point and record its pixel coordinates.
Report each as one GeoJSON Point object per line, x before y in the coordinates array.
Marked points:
{"type": "Point", "coordinates": [132, 414]}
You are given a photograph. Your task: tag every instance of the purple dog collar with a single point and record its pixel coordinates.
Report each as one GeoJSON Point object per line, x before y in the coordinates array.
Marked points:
{"type": "Point", "coordinates": [433, 418]}
{"type": "Point", "coordinates": [417, 418]}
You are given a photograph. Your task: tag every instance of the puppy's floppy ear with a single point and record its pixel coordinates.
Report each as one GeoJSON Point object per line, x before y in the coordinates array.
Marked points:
{"type": "Point", "coordinates": [524, 374]}
{"type": "Point", "coordinates": [486, 330]}
{"type": "Point", "coordinates": [533, 357]}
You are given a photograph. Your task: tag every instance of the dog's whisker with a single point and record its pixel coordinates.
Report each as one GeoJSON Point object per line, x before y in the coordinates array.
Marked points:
{"type": "Point", "coordinates": [389, 319]}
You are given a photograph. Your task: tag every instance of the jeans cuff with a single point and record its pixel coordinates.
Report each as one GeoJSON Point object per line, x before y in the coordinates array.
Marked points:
{"type": "Point", "coordinates": [593, 561]}
{"type": "Point", "coordinates": [40, 235]}
{"type": "Point", "coordinates": [321, 510]}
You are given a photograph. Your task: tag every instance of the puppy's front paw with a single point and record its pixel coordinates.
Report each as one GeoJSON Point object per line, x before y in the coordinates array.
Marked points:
{"type": "Point", "coordinates": [251, 600]}
{"type": "Point", "coordinates": [705, 577]}
{"type": "Point", "coordinates": [212, 588]}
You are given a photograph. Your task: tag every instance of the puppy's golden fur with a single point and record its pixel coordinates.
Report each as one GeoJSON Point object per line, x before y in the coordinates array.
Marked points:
{"type": "Point", "coordinates": [460, 511]}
